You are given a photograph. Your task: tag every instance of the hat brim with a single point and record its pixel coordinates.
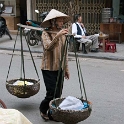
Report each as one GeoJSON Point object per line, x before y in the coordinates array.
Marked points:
{"type": "Point", "coordinates": [47, 24]}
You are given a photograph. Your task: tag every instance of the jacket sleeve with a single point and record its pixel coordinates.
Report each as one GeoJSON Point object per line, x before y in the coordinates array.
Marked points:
{"type": "Point", "coordinates": [47, 42]}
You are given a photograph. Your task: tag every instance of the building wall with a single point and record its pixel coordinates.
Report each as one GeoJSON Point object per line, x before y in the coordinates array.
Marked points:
{"type": "Point", "coordinates": [89, 9]}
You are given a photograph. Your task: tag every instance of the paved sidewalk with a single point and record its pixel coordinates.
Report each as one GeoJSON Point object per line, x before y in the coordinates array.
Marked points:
{"type": "Point", "coordinates": [7, 44]}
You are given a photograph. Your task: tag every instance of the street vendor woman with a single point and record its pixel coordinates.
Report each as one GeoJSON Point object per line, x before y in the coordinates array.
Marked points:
{"type": "Point", "coordinates": [53, 42]}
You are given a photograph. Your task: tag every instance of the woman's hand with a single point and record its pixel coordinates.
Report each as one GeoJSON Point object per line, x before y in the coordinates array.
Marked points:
{"type": "Point", "coordinates": [62, 32]}
{"type": "Point", "coordinates": [67, 75]}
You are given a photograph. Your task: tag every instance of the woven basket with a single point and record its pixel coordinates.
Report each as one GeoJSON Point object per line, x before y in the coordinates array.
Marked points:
{"type": "Point", "coordinates": [69, 116]}
{"type": "Point", "coordinates": [23, 91]}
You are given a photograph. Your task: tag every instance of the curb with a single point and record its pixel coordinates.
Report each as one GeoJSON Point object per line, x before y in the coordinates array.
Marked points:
{"type": "Point", "coordinates": [73, 55]}
{"type": "Point", "coordinates": [97, 57]}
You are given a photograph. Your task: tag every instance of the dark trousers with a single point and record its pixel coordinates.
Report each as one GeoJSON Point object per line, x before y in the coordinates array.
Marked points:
{"type": "Point", "coordinates": [50, 79]}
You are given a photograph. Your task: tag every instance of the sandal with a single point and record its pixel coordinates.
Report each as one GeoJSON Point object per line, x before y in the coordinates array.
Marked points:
{"type": "Point", "coordinates": [44, 116]}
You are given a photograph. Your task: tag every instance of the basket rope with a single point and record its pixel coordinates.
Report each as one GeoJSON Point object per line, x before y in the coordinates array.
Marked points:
{"type": "Point", "coordinates": [32, 56]}
{"type": "Point", "coordinates": [69, 116]}
{"type": "Point", "coordinates": [80, 76]}
{"type": "Point", "coordinates": [22, 70]}
{"type": "Point", "coordinates": [22, 56]}
{"type": "Point", "coordinates": [12, 57]}
{"type": "Point", "coordinates": [63, 58]}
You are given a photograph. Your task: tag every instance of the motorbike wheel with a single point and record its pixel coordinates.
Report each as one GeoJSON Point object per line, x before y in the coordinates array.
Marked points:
{"type": "Point", "coordinates": [8, 33]}
{"type": "Point", "coordinates": [32, 40]}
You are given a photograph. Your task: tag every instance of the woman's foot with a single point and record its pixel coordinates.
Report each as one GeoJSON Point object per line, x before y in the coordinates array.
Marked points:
{"type": "Point", "coordinates": [44, 116]}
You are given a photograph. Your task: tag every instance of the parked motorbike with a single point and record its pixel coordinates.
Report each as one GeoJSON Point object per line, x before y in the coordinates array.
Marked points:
{"type": "Point", "coordinates": [3, 27]}
{"type": "Point", "coordinates": [34, 36]}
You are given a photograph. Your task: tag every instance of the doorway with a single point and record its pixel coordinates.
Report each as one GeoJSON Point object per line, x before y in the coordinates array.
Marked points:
{"type": "Point", "coordinates": [23, 11]}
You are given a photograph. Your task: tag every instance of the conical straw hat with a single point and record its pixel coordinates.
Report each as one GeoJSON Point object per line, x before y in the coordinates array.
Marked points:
{"type": "Point", "coordinates": [52, 15]}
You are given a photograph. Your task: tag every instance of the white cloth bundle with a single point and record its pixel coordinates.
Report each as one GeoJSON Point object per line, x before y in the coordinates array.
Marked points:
{"type": "Point", "coordinates": [18, 82]}
{"type": "Point", "coordinates": [71, 103]}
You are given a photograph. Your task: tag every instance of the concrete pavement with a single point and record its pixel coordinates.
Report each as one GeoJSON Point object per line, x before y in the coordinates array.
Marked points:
{"type": "Point", "coordinates": [103, 82]}
{"type": "Point", "coordinates": [7, 44]}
